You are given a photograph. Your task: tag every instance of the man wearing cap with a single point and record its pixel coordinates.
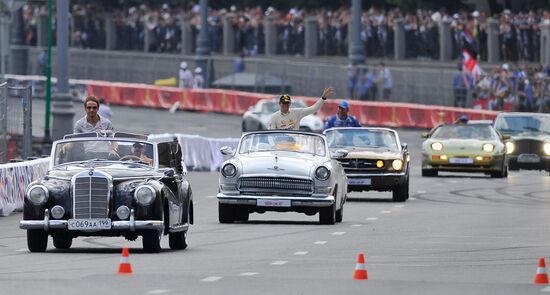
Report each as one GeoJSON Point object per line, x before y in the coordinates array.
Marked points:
{"type": "Point", "coordinates": [138, 150]}
{"type": "Point", "coordinates": [462, 120]}
{"type": "Point", "coordinates": [186, 77]}
{"type": "Point", "coordinates": [289, 119]}
{"type": "Point", "coordinates": [342, 118]}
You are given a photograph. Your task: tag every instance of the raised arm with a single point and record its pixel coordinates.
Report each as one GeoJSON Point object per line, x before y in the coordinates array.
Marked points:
{"type": "Point", "coordinates": [317, 106]}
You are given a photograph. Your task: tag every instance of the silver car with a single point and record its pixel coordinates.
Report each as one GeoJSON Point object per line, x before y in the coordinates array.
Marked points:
{"type": "Point", "coordinates": [257, 117]}
{"type": "Point", "coordinates": [282, 171]}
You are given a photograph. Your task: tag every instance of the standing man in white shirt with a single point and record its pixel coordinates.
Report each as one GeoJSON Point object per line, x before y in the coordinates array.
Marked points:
{"type": "Point", "coordinates": [386, 81]}
{"type": "Point", "coordinates": [186, 77]}
{"type": "Point", "coordinates": [289, 119]}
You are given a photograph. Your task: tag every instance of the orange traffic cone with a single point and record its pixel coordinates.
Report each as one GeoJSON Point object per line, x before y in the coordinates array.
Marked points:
{"type": "Point", "coordinates": [360, 270]}
{"type": "Point", "coordinates": [541, 278]}
{"type": "Point", "coordinates": [124, 268]}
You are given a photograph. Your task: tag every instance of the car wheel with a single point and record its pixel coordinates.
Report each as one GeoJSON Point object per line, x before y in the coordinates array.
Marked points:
{"type": "Point", "coordinates": [327, 215]}
{"type": "Point", "coordinates": [401, 193]}
{"type": "Point", "coordinates": [37, 240]}
{"type": "Point", "coordinates": [62, 242]}
{"type": "Point", "coordinates": [241, 214]}
{"type": "Point", "coordinates": [340, 214]}
{"type": "Point", "coordinates": [151, 241]}
{"type": "Point", "coordinates": [512, 167]}
{"type": "Point", "coordinates": [500, 174]}
{"type": "Point", "coordinates": [225, 213]}
{"type": "Point", "coordinates": [177, 240]}
{"type": "Point", "coordinates": [429, 173]}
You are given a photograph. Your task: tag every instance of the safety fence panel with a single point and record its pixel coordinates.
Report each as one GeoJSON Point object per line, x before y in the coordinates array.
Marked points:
{"type": "Point", "coordinates": [14, 179]}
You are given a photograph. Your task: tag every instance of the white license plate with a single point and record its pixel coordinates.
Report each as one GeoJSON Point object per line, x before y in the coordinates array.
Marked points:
{"type": "Point", "coordinates": [89, 224]}
{"type": "Point", "coordinates": [273, 203]}
{"type": "Point", "coordinates": [528, 158]}
{"type": "Point", "coordinates": [360, 181]}
{"type": "Point", "coordinates": [461, 161]}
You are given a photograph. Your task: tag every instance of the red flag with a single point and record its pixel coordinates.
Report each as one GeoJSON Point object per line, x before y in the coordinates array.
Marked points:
{"type": "Point", "coordinates": [470, 64]}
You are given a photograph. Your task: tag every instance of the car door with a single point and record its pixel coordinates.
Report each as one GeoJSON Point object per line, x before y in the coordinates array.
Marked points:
{"type": "Point", "coordinates": [184, 188]}
{"type": "Point", "coordinates": [172, 182]}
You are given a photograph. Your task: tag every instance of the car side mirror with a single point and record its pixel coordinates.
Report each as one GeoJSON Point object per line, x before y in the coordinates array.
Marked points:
{"type": "Point", "coordinates": [404, 146]}
{"type": "Point", "coordinates": [169, 173]}
{"type": "Point", "coordinates": [226, 150]}
{"type": "Point", "coordinates": [424, 134]}
{"type": "Point", "coordinates": [339, 154]}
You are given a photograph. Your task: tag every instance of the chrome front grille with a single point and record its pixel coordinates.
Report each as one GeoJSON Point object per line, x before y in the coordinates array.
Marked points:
{"type": "Point", "coordinates": [90, 197]}
{"type": "Point", "coordinates": [275, 185]}
{"type": "Point", "coordinates": [359, 165]}
{"type": "Point", "coordinates": [527, 146]}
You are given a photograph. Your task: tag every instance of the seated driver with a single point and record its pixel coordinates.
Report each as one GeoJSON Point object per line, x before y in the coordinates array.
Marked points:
{"type": "Point", "coordinates": [138, 150]}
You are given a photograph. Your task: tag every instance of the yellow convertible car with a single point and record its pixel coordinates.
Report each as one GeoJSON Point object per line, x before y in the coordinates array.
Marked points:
{"type": "Point", "coordinates": [464, 148]}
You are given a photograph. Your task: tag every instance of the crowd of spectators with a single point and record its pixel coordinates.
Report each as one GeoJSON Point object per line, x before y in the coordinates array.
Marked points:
{"type": "Point", "coordinates": [519, 33]}
{"type": "Point", "coordinates": [510, 87]}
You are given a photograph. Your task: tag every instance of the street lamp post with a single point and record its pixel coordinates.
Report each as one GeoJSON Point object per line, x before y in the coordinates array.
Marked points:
{"type": "Point", "coordinates": [203, 46]}
{"type": "Point", "coordinates": [47, 141]}
{"type": "Point", "coordinates": [356, 52]}
{"type": "Point", "coordinates": [62, 109]}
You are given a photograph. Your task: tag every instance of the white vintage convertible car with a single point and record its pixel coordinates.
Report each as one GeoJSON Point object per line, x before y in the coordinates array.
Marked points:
{"type": "Point", "coordinates": [282, 171]}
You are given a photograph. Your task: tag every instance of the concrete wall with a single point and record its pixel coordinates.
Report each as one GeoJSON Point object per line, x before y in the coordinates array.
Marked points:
{"type": "Point", "coordinates": [426, 83]}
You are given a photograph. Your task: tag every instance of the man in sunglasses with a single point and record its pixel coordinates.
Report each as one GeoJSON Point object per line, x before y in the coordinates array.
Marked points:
{"type": "Point", "coordinates": [289, 119]}
{"type": "Point", "coordinates": [92, 122]}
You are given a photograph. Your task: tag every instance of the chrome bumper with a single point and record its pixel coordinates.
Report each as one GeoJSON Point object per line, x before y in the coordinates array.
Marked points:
{"type": "Point", "coordinates": [130, 225]}
{"type": "Point", "coordinates": [324, 201]}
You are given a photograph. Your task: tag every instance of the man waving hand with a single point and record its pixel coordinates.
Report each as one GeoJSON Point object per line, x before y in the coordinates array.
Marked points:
{"type": "Point", "coordinates": [289, 119]}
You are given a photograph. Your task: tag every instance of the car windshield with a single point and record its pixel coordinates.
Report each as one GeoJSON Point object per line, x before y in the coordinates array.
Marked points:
{"type": "Point", "coordinates": [477, 131]}
{"type": "Point", "coordinates": [519, 124]}
{"type": "Point", "coordinates": [271, 106]}
{"type": "Point", "coordinates": [281, 141]}
{"type": "Point", "coordinates": [107, 150]}
{"type": "Point", "coordinates": [374, 138]}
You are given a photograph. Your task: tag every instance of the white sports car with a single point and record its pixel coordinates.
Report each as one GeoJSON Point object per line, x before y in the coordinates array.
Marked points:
{"type": "Point", "coordinates": [282, 171]}
{"type": "Point", "coordinates": [257, 117]}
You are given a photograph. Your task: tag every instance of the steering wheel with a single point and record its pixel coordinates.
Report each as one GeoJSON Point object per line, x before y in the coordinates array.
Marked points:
{"type": "Point", "coordinates": [130, 157]}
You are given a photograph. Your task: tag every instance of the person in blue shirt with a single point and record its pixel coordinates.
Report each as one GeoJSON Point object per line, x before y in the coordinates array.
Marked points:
{"type": "Point", "coordinates": [342, 118]}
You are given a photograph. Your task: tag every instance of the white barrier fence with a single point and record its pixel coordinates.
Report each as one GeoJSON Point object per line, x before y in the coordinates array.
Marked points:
{"type": "Point", "coordinates": [199, 154]}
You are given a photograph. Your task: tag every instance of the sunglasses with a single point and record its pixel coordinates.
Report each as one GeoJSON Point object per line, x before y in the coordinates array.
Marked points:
{"type": "Point", "coordinates": [91, 108]}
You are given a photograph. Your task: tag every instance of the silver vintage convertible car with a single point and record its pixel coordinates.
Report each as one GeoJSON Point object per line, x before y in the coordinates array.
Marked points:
{"type": "Point", "coordinates": [282, 171]}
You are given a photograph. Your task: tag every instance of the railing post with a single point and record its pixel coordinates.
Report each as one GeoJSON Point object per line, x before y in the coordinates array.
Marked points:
{"type": "Point", "coordinates": [398, 40]}
{"type": "Point", "coordinates": [445, 41]}
{"type": "Point", "coordinates": [228, 36]}
{"type": "Point", "coordinates": [493, 46]}
{"type": "Point", "coordinates": [270, 36]}
{"type": "Point", "coordinates": [312, 37]}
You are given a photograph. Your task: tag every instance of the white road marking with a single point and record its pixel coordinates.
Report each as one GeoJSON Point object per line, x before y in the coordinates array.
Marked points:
{"type": "Point", "coordinates": [159, 291]}
{"type": "Point", "coordinates": [279, 262]}
{"type": "Point", "coordinates": [421, 192]}
{"type": "Point", "coordinates": [210, 197]}
{"type": "Point", "coordinates": [211, 279]}
{"type": "Point", "coordinates": [356, 225]}
{"type": "Point", "coordinates": [399, 206]}
{"type": "Point", "coordinates": [21, 250]}
{"type": "Point", "coordinates": [412, 199]}
{"type": "Point", "coordinates": [320, 242]}
{"type": "Point", "coordinates": [385, 212]}
{"type": "Point", "coordinates": [301, 253]}
{"type": "Point", "coordinates": [248, 274]}
{"type": "Point", "coordinates": [545, 289]}
{"type": "Point", "coordinates": [372, 218]}
{"type": "Point", "coordinates": [338, 233]}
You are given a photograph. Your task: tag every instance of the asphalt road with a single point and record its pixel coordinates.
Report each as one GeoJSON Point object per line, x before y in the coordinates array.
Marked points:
{"type": "Point", "coordinates": [457, 234]}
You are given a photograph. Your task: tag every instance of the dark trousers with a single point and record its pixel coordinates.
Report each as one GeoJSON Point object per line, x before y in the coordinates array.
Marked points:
{"type": "Point", "coordinates": [460, 97]}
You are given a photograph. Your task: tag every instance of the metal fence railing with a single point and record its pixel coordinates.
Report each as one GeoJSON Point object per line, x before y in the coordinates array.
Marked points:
{"type": "Point", "coordinates": [15, 121]}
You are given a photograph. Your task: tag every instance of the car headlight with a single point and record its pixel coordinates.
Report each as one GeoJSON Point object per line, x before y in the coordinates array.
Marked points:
{"type": "Point", "coordinates": [488, 147]}
{"type": "Point", "coordinates": [547, 148]}
{"type": "Point", "coordinates": [437, 146]}
{"type": "Point", "coordinates": [38, 194]}
{"type": "Point", "coordinates": [229, 170]}
{"type": "Point", "coordinates": [145, 195]}
{"type": "Point", "coordinates": [397, 164]}
{"type": "Point", "coordinates": [322, 173]}
{"type": "Point", "coordinates": [509, 147]}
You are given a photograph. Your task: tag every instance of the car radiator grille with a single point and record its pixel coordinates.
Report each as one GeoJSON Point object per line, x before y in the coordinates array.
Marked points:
{"type": "Point", "coordinates": [258, 185]}
{"type": "Point", "coordinates": [91, 197]}
{"type": "Point", "coordinates": [528, 146]}
{"type": "Point", "coordinates": [359, 165]}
